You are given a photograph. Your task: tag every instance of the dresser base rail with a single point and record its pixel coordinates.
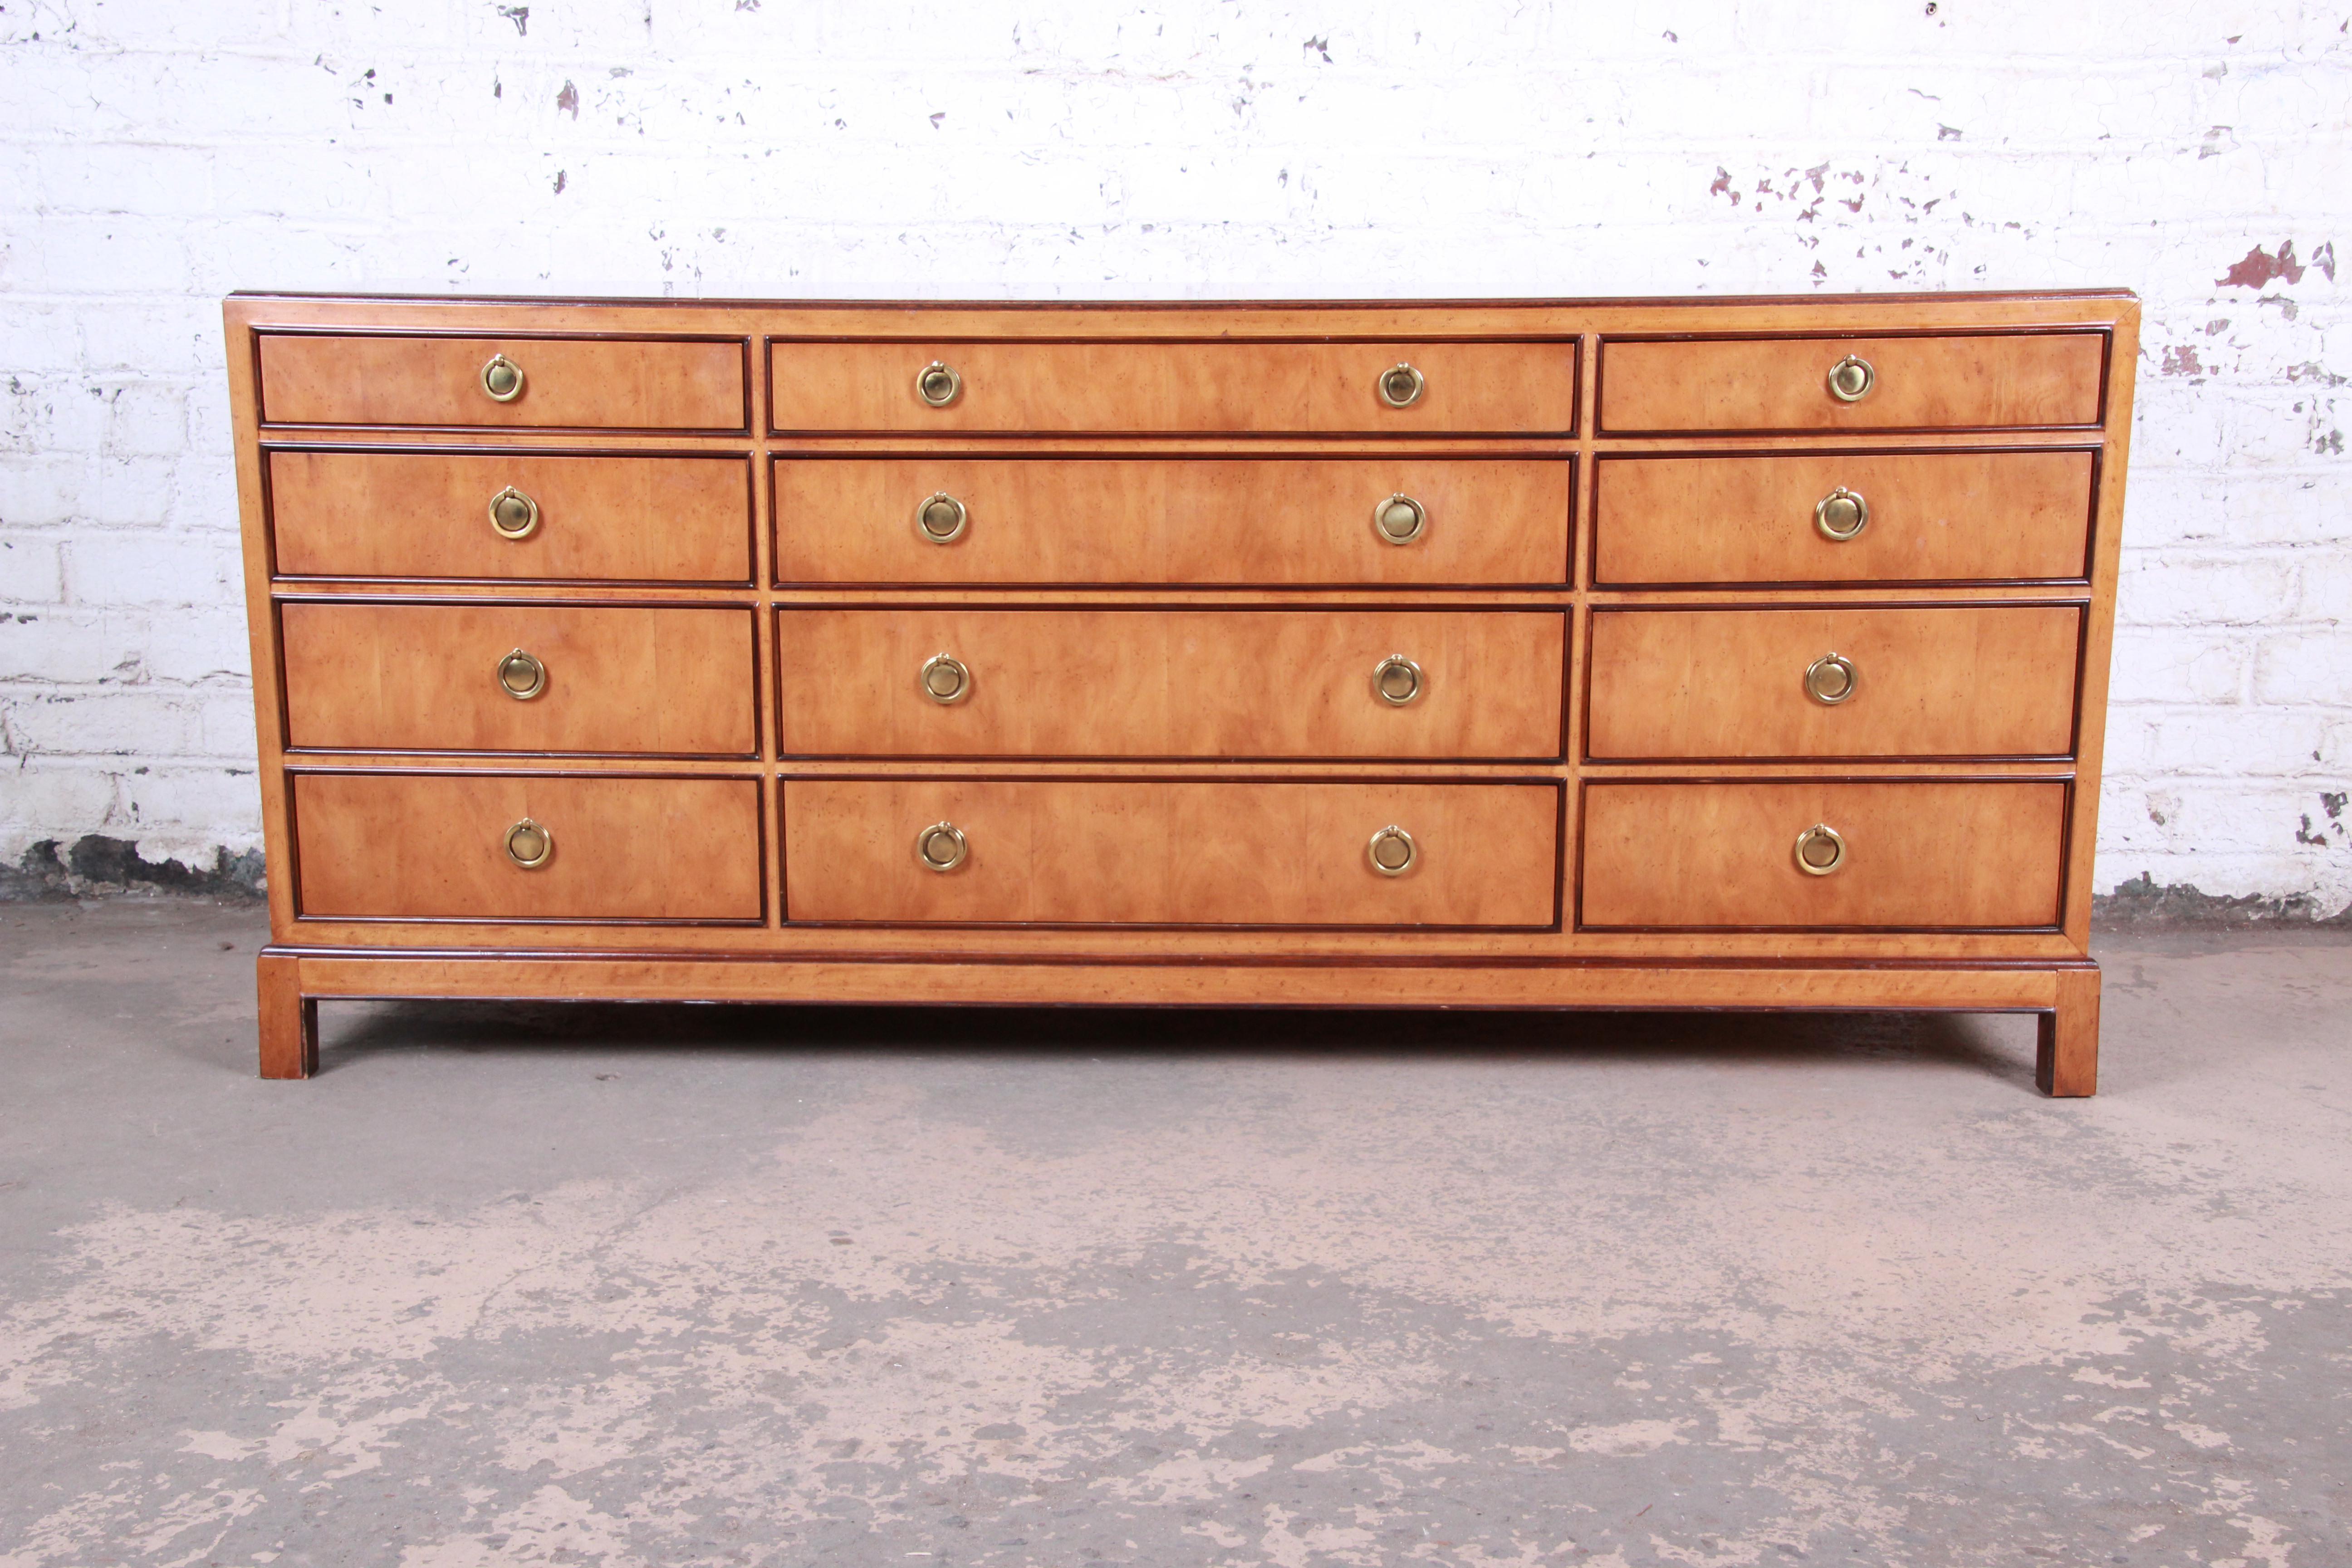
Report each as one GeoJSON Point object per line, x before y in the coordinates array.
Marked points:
{"type": "Point", "coordinates": [2065, 995]}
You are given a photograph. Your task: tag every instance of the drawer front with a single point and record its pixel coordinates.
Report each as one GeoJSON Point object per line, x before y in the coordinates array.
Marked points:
{"type": "Point", "coordinates": [1219, 388]}
{"type": "Point", "coordinates": [1170, 683]}
{"type": "Point", "coordinates": [1171, 852]}
{"type": "Point", "coordinates": [1960, 855]}
{"type": "Point", "coordinates": [427, 516]}
{"type": "Point", "coordinates": [604, 383]}
{"type": "Point", "coordinates": [619, 679]}
{"type": "Point", "coordinates": [1957, 383]}
{"type": "Point", "coordinates": [1976, 681]}
{"type": "Point", "coordinates": [434, 847]}
{"type": "Point", "coordinates": [1904, 516]}
{"type": "Point", "coordinates": [1304, 521]}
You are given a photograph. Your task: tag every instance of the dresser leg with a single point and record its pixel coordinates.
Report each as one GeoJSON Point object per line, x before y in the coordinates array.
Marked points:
{"type": "Point", "coordinates": [2066, 1064]}
{"type": "Point", "coordinates": [289, 1020]}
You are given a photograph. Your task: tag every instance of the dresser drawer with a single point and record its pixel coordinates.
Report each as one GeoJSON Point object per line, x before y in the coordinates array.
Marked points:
{"type": "Point", "coordinates": [1171, 852]}
{"type": "Point", "coordinates": [1991, 681]}
{"type": "Point", "coordinates": [1198, 388]}
{"type": "Point", "coordinates": [1170, 683]}
{"type": "Point", "coordinates": [1841, 517]}
{"type": "Point", "coordinates": [427, 516]}
{"type": "Point", "coordinates": [552, 678]}
{"type": "Point", "coordinates": [1975, 381]}
{"type": "Point", "coordinates": [450, 846]}
{"type": "Point", "coordinates": [1339, 522]}
{"type": "Point", "coordinates": [605, 384]}
{"type": "Point", "coordinates": [1923, 855]}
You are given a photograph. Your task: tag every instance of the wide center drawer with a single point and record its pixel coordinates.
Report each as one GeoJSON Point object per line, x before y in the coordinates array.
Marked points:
{"type": "Point", "coordinates": [1960, 855]}
{"type": "Point", "coordinates": [520, 846]}
{"type": "Point", "coordinates": [1262, 388]}
{"type": "Point", "coordinates": [1169, 683]}
{"type": "Point", "coordinates": [1971, 381]}
{"type": "Point", "coordinates": [665, 680]}
{"type": "Point", "coordinates": [1122, 852]}
{"type": "Point", "coordinates": [511, 515]}
{"type": "Point", "coordinates": [602, 384]}
{"type": "Point", "coordinates": [1979, 681]}
{"type": "Point", "coordinates": [1335, 521]}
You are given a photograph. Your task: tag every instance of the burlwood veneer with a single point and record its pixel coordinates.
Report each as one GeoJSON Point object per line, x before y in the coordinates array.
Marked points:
{"type": "Point", "coordinates": [1979, 681]}
{"type": "Point", "coordinates": [1224, 388]}
{"type": "Point", "coordinates": [1172, 853]}
{"type": "Point", "coordinates": [567, 383]}
{"type": "Point", "coordinates": [1918, 855]}
{"type": "Point", "coordinates": [375, 845]}
{"type": "Point", "coordinates": [2016, 381]}
{"type": "Point", "coordinates": [1935, 517]}
{"type": "Point", "coordinates": [1115, 520]}
{"type": "Point", "coordinates": [427, 516]}
{"type": "Point", "coordinates": [1170, 683]}
{"type": "Point", "coordinates": [672, 681]}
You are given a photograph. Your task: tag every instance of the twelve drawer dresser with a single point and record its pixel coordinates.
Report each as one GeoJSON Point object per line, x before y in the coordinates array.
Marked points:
{"type": "Point", "coordinates": [1728, 654]}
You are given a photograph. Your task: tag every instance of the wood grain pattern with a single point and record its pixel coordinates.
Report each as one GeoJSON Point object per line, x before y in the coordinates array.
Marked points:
{"type": "Point", "coordinates": [567, 383]}
{"type": "Point", "coordinates": [1164, 853]}
{"type": "Point", "coordinates": [1924, 855]}
{"type": "Point", "coordinates": [433, 847]}
{"type": "Point", "coordinates": [1984, 680]}
{"type": "Point", "coordinates": [1115, 388]}
{"type": "Point", "coordinates": [2066, 1045]}
{"type": "Point", "coordinates": [425, 515]}
{"type": "Point", "coordinates": [1170, 683]}
{"type": "Point", "coordinates": [1934, 517]}
{"type": "Point", "coordinates": [289, 1020]}
{"type": "Point", "coordinates": [669, 682]}
{"type": "Point", "coordinates": [1180, 520]}
{"type": "Point", "coordinates": [1985, 382]}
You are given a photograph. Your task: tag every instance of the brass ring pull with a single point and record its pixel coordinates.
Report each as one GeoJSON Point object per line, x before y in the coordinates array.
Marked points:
{"type": "Point", "coordinates": [1851, 378]}
{"type": "Point", "coordinates": [1401, 387]}
{"type": "Point", "coordinates": [940, 519]}
{"type": "Point", "coordinates": [513, 515]}
{"type": "Point", "coordinates": [529, 845]}
{"type": "Point", "coordinates": [1830, 679]}
{"type": "Point", "coordinates": [521, 677]}
{"type": "Point", "coordinates": [1400, 519]}
{"type": "Point", "coordinates": [1819, 850]}
{"type": "Point", "coordinates": [1841, 514]}
{"type": "Point", "coordinates": [938, 384]}
{"type": "Point", "coordinates": [501, 379]}
{"type": "Point", "coordinates": [1392, 851]}
{"type": "Point", "coordinates": [1397, 679]}
{"type": "Point", "coordinates": [941, 847]}
{"type": "Point", "coordinates": [945, 681]}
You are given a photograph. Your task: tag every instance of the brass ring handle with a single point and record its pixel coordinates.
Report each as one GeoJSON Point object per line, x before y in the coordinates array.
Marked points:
{"type": "Point", "coordinates": [1400, 519]}
{"type": "Point", "coordinates": [941, 847]}
{"type": "Point", "coordinates": [938, 384]}
{"type": "Point", "coordinates": [940, 518]}
{"type": "Point", "coordinates": [1841, 514]}
{"type": "Point", "coordinates": [1830, 679]}
{"type": "Point", "coordinates": [946, 680]}
{"type": "Point", "coordinates": [1851, 378]}
{"type": "Point", "coordinates": [1401, 386]}
{"type": "Point", "coordinates": [513, 515]}
{"type": "Point", "coordinates": [1392, 851]}
{"type": "Point", "coordinates": [529, 845]}
{"type": "Point", "coordinates": [1819, 850]}
{"type": "Point", "coordinates": [521, 677]}
{"type": "Point", "coordinates": [1397, 679]}
{"type": "Point", "coordinates": [501, 379]}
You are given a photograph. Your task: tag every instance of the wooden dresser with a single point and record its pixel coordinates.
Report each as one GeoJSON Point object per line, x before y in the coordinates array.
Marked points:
{"type": "Point", "coordinates": [1727, 653]}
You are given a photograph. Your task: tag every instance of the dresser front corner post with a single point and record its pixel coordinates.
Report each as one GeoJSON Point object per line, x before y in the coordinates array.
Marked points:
{"type": "Point", "coordinates": [289, 1020]}
{"type": "Point", "coordinates": [2066, 1055]}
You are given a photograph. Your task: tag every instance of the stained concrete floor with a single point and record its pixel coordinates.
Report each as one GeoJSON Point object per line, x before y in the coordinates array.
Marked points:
{"type": "Point", "coordinates": [674, 1285]}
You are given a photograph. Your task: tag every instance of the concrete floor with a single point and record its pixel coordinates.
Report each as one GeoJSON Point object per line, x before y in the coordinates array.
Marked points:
{"type": "Point", "coordinates": [674, 1284]}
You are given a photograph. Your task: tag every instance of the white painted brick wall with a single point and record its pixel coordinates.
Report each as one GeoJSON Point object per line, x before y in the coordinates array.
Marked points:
{"type": "Point", "coordinates": [156, 153]}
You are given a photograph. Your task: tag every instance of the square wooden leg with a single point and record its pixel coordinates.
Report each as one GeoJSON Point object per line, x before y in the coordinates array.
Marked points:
{"type": "Point", "coordinates": [2066, 1064]}
{"type": "Point", "coordinates": [289, 1020]}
